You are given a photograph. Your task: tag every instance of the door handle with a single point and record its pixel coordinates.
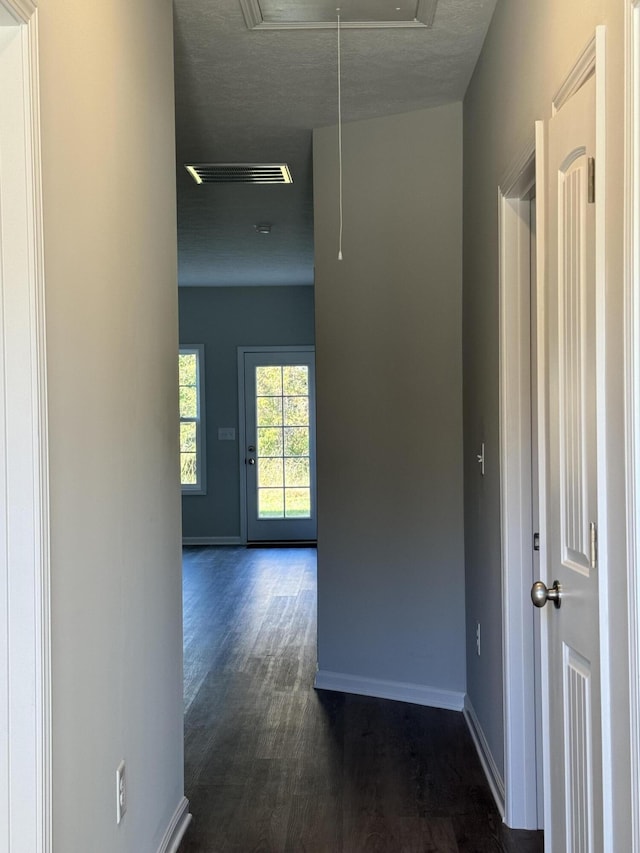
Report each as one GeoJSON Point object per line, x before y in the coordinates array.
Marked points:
{"type": "Point", "coordinates": [540, 594]}
{"type": "Point", "coordinates": [250, 461]}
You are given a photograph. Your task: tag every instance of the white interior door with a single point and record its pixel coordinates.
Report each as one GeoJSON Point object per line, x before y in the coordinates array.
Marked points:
{"type": "Point", "coordinates": [279, 458]}
{"type": "Point", "coordinates": [571, 632]}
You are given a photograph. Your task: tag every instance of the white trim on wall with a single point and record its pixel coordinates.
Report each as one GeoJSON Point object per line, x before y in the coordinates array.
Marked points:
{"type": "Point", "coordinates": [20, 11]}
{"type": "Point", "coordinates": [25, 764]}
{"type": "Point", "coordinates": [519, 796]}
{"type": "Point", "coordinates": [583, 68]}
{"type": "Point", "coordinates": [602, 426]}
{"type": "Point", "coordinates": [242, 445]}
{"type": "Point", "coordinates": [177, 827]}
{"type": "Point", "coordinates": [632, 386]}
{"type": "Point", "coordinates": [401, 691]}
{"type": "Point", "coordinates": [494, 779]}
{"type": "Point", "coordinates": [541, 398]}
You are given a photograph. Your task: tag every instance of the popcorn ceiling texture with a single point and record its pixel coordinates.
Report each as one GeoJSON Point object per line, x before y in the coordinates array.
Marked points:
{"type": "Point", "coordinates": [255, 96]}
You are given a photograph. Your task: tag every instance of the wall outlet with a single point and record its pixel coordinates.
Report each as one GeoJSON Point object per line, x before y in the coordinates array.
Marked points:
{"type": "Point", "coordinates": [121, 792]}
{"type": "Point", "coordinates": [478, 638]}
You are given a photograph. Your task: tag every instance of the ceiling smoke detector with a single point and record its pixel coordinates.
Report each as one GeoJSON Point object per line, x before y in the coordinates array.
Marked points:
{"type": "Point", "coordinates": [239, 173]}
{"type": "Point", "coordinates": [322, 14]}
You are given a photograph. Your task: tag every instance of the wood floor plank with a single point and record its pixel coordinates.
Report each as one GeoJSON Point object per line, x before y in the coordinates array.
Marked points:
{"type": "Point", "coordinates": [273, 766]}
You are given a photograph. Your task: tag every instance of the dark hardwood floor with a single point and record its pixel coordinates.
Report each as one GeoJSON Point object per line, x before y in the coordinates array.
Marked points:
{"type": "Point", "coordinates": [272, 766]}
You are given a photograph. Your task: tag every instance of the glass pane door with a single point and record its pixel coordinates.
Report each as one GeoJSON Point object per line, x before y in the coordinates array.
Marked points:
{"type": "Point", "coordinates": [280, 436]}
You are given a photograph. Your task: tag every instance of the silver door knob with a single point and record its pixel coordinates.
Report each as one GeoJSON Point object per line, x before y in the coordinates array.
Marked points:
{"type": "Point", "coordinates": [540, 594]}
{"type": "Point", "coordinates": [251, 461]}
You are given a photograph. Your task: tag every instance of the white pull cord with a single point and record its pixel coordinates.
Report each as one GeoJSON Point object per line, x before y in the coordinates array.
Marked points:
{"type": "Point", "coordinates": [339, 141]}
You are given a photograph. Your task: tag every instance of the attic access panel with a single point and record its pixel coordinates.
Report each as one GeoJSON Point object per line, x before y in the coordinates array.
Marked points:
{"type": "Point", "coordinates": [322, 14]}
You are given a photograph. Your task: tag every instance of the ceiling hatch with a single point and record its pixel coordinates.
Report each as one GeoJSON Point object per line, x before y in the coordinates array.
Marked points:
{"type": "Point", "coordinates": [239, 173]}
{"type": "Point", "coordinates": [322, 14]}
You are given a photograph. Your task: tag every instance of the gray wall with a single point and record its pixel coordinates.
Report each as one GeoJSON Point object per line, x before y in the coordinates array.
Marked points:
{"type": "Point", "coordinates": [224, 318]}
{"type": "Point", "coordinates": [111, 304]}
{"type": "Point", "coordinates": [530, 47]}
{"type": "Point", "coordinates": [389, 391]}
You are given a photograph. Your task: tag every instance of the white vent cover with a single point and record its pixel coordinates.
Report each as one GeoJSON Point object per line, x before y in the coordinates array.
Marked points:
{"type": "Point", "coordinates": [239, 173]}
{"type": "Point", "coordinates": [321, 14]}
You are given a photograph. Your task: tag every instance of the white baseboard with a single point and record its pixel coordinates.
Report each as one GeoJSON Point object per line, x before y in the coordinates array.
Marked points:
{"type": "Point", "coordinates": [401, 691]}
{"type": "Point", "coordinates": [176, 829]}
{"type": "Point", "coordinates": [495, 780]}
{"type": "Point", "coordinates": [212, 540]}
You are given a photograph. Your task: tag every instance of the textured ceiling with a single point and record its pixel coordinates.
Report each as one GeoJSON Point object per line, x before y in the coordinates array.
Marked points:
{"type": "Point", "coordinates": [255, 96]}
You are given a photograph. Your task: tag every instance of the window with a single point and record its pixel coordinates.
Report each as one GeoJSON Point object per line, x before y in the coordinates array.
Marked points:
{"type": "Point", "coordinates": [282, 426]}
{"type": "Point", "coordinates": [191, 380]}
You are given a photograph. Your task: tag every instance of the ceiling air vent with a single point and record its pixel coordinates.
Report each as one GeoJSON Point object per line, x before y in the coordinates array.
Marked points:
{"type": "Point", "coordinates": [239, 173]}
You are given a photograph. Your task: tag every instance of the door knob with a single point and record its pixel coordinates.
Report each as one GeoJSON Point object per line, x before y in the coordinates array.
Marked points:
{"type": "Point", "coordinates": [540, 594]}
{"type": "Point", "coordinates": [251, 461]}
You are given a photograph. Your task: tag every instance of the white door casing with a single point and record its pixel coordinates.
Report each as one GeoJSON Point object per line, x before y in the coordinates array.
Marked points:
{"type": "Point", "coordinates": [571, 636]}
{"type": "Point", "coordinates": [632, 387]}
{"type": "Point", "coordinates": [537, 459]}
{"type": "Point", "coordinates": [25, 766]}
{"type": "Point", "coordinates": [517, 281]}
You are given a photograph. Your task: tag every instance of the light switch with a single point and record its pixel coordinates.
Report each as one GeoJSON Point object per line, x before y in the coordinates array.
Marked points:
{"type": "Point", "coordinates": [226, 433]}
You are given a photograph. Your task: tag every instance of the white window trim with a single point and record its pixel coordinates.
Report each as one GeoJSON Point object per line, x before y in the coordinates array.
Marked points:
{"type": "Point", "coordinates": [201, 460]}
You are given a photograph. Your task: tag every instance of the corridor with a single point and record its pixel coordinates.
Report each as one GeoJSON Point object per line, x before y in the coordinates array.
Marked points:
{"type": "Point", "coordinates": [273, 765]}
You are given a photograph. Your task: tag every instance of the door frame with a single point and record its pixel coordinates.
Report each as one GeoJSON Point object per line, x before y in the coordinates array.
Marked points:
{"type": "Point", "coordinates": [632, 386]}
{"type": "Point", "coordinates": [25, 651]}
{"type": "Point", "coordinates": [514, 481]}
{"type": "Point", "coordinates": [242, 426]}
{"type": "Point", "coordinates": [521, 807]}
